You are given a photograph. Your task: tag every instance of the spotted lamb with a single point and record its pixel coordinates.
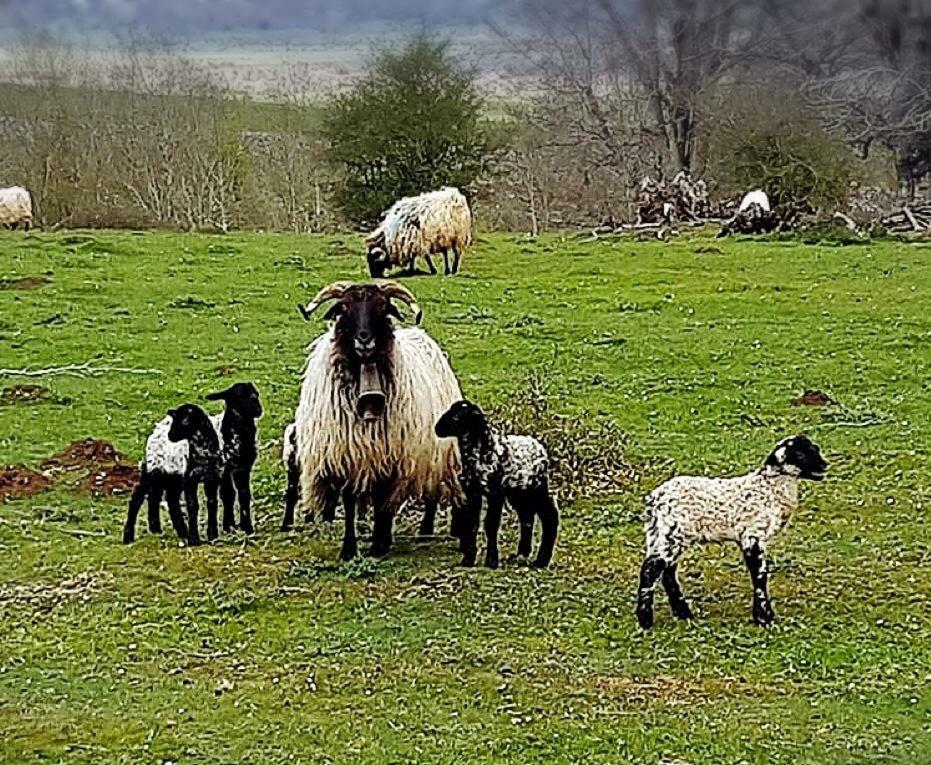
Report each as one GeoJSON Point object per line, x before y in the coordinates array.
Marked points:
{"type": "Point", "coordinates": [749, 510]}
{"type": "Point", "coordinates": [499, 468]}
{"type": "Point", "coordinates": [187, 448]}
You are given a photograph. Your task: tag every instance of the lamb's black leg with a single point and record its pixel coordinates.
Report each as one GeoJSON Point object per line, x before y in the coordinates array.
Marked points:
{"type": "Point", "coordinates": [677, 601]}
{"type": "Point", "coordinates": [211, 488]}
{"type": "Point", "coordinates": [457, 524]}
{"type": "Point", "coordinates": [456, 256]}
{"type": "Point", "coordinates": [193, 509]}
{"type": "Point", "coordinates": [525, 516]}
{"type": "Point", "coordinates": [650, 572]}
{"type": "Point", "coordinates": [492, 526]}
{"type": "Point", "coordinates": [428, 522]}
{"type": "Point", "coordinates": [382, 533]}
{"type": "Point", "coordinates": [135, 504]}
{"type": "Point", "coordinates": [350, 544]}
{"type": "Point", "coordinates": [173, 498]}
{"type": "Point", "coordinates": [228, 498]}
{"type": "Point", "coordinates": [756, 564]}
{"type": "Point", "coordinates": [549, 521]}
{"type": "Point", "coordinates": [471, 514]}
{"type": "Point", "coordinates": [446, 270]}
{"type": "Point", "coordinates": [242, 480]}
{"type": "Point", "coordinates": [292, 495]}
{"type": "Point", "coordinates": [155, 505]}
{"type": "Point", "coordinates": [430, 265]}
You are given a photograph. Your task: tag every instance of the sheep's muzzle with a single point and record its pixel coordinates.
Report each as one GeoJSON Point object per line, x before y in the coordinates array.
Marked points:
{"type": "Point", "coordinates": [371, 402]}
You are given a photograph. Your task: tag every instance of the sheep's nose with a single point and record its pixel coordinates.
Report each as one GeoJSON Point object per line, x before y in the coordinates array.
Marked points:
{"type": "Point", "coordinates": [364, 337]}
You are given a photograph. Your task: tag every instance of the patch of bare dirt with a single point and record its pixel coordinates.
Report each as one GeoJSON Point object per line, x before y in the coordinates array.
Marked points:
{"type": "Point", "coordinates": [24, 394]}
{"type": "Point", "coordinates": [24, 283]}
{"type": "Point", "coordinates": [18, 482]}
{"type": "Point", "coordinates": [87, 453]}
{"type": "Point", "coordinates": [111, 481]}
{"type": "Point", "coordinates": [226, 370]}
{"type": "Point", "coordinates": [81, 587]}
{"type": "Point", "coordinates": [813, 398]}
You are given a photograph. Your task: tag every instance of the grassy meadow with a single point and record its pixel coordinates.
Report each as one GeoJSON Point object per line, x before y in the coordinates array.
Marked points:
{"type": "Point", "coordinates": [667, 357]}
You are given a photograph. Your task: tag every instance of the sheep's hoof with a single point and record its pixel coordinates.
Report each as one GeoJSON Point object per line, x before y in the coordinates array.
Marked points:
{"type": "Point", "coordinates": [377, 551]}
{"type": "Point", "coordinates": [683, 612]}
{"type": "Point", "coordinates": [645, 618]}
{"type": "Point", "coordinates": [194, 542]}
{"type": "Point", "coordinates": [128, 539]}
{"type": "Point", "coordinates": [540, 564]}
{"type": "Point", "coordinates": [491, 561]}
{"type": "Point", "coordinates": [348, 552]}
{"type": "Point", "coordinates": [468, 561]}
{"type": "Point", "coordinates": [247, 528]}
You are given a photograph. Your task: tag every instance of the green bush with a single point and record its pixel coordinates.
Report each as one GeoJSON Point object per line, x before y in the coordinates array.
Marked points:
{"type": "Point", "coordinates": [769, 140]}
{"type": "Point", "coordinates": [412, 125]}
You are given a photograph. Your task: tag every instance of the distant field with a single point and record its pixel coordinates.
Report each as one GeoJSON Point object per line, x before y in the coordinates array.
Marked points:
{"type": "Point", "coordinates": [305, 63]}
{"type": "Point", "coordinates": [680, 356]}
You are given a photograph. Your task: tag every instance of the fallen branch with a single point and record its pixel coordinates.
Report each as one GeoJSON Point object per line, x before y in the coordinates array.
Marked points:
{"type": "Point", "coordinates": [911, 218]}
{"type": "Point", "coordinates": [87, 369]}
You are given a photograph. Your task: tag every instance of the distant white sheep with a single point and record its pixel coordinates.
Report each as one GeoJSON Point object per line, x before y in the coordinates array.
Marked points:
{"type": "Point", "coordinates": [418, 227]}
{"type": "Point", "coordinates": [749, 510]}
{"type": "Point", "coordinates": [756, 197]}
{"type": "Point", "coordinates": [15, 208]}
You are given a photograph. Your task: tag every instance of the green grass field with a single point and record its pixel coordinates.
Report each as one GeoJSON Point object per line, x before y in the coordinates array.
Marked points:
{"type": "Point", "coordinates": [677, 357]}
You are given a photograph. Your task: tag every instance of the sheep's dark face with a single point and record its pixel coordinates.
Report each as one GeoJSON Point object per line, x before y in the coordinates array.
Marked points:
{"type": "Point", "coordinates": [185, 420]}
{"type": "Point", "coordinates": [242, 398]}
{"type": "Point", "coordinates": [798, 456]}
{"type": "Point", "coordinates": [378, 262]}
{"type": "Point", "coordinates": [462, 419]}
{"type": "Point", "coordinates": [364, 328]}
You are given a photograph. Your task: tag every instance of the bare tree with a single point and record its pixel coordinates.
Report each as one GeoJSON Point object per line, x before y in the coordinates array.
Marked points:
{"type": "Point", "coordinates": [880, 91]}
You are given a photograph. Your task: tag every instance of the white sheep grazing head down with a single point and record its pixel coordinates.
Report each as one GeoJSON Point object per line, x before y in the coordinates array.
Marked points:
{"type": "Point", "coordinates": [797, 456]}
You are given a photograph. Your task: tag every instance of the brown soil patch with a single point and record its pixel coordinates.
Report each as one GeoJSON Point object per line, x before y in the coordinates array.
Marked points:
{"type": "Point", "coordinates": [17, 482]}
{"type": "Point", "coordinates": [111, 481]}
{"type": "Point", "coordinates": [813, 398]}
{"type": "Point", "coordinates": [226, 369]}
{"type": "Point", "coordinates": [24, 394]}
{"type": "Point", "coordinates": [24, 283]}
{"type": "Point", "coordinates": [87, 453]}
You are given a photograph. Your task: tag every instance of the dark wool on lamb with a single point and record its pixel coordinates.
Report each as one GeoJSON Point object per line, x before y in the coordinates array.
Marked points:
{"type": "Point", "coordinates": [498, 468]}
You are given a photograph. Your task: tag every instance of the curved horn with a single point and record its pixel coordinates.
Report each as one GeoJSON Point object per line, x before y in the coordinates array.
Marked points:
{"type": "Point", "coordinates": [396, 291]}
{"type": "Point", "coordinates": [333, 291]}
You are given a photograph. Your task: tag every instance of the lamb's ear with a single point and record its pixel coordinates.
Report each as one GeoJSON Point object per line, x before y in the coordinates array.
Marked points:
{"type": "Point", "coordinates": [172, 412]}
{"type": "Point", "coordinates": [220, 395]}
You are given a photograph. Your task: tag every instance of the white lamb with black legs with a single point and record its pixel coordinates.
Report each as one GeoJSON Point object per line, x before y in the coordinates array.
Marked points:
{"type": "Point", "coordinates": [749, 510]}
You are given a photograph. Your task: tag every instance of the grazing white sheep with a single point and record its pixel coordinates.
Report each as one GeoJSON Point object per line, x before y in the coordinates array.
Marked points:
{"type": "Point", "coordinates": [15, 208]}
{"type": "Point", "coordinates": [370, 397]}
{"type": "Point", "coordinates": [749, 510]}
{"type": "Point", "coordinates": [418, 227]}
{"type": "Point", "coordinates": [756, 197]}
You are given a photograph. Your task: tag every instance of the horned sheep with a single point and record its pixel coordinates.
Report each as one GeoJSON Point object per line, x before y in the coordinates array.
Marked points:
{"type": "Point", "coordinates": [419, 227]}
{"type": "Point", "coordinates": [370, 396]}
{"type": "Point", "coordinates": [749, 510]}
